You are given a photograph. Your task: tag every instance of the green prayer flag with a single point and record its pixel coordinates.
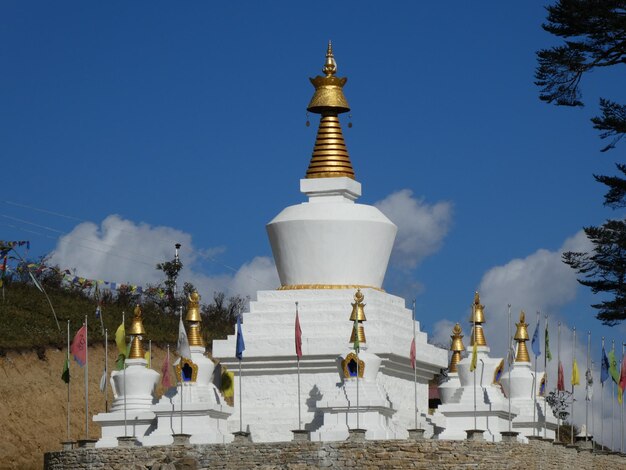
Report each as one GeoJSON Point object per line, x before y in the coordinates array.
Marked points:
{"type": "Point", "coordinates": [356, 343]}
{"type": "Point", "coordinates": [66, 372]}
{"type": "Point", "coordinates": [613, 367]}
{"type": "Point", "coordinates": [120, 361]}
{"type": "Point", "coordinates": [548, 353]}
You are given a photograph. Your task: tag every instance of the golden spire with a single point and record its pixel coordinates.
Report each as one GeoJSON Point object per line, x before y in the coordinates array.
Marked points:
{"type": "Point", "coordinates": [456, 347]}
{"type": "Point", "coordinates": [330, 155]}
{"type": "Point", "coordinates": [476, 320]}
{"type": "Point", "coordinates": [358, 314]}
{"type": "Point", "coordinates": [521, 336]}
{"type": "Point", "coordinates": [136, 331]}
{"type": "Point", "coordinates": [194, 318]}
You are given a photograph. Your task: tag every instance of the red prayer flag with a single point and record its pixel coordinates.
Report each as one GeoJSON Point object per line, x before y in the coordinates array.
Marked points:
{"type": "Point", "coordinates": [166, 380]}
{"type": "Point", "coordinates": [622, 378]}
{"type": "Point", "coordinates": [560, 384]}
{"type": "Point", "coordinates": [78, 348]}
{"type": "Point", "coordinates": [298, 337]}
{"type": "Point", "coordinates": [413, 353]}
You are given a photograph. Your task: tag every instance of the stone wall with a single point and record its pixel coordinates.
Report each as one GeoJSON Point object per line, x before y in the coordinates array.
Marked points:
{"type": "Point", "coordinates": [422, 454]}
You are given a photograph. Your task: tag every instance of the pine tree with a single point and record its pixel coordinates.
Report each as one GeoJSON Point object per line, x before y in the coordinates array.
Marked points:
{"type": "Point", "coordinates": [594, 33]}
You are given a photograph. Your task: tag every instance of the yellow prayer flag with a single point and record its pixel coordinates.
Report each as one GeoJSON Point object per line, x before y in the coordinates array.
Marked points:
{"type": "Point", "coordinates": [120, 339]}
{"type": "Point", "coordinates": [575, 375]}
{"type": "Point", "coordinates": [474, 357]}
{"type": "Point", "coordinates": [228, 384]}
{"type": "Point", "coordinates": [148, 358]}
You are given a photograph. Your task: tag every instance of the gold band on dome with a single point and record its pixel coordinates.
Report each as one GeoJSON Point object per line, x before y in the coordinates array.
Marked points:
{"type": "Point", "coordinates": [328, 286]}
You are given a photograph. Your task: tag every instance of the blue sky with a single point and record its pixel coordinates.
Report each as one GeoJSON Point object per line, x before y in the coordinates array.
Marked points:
{"type": "Point", "coordinates": [192, 118]}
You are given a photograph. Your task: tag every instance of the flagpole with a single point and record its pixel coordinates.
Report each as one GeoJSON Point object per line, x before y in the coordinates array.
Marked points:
{"type": "Point", "coordinates": [545, 374]}
{"type": "Point", "coordinates": [68, 382]}
{"type": "Point", "coordinates": [298, 366]}
{"type": "Point", "coordinates": [86, 381]}
{"type": "Point", "coordinates": [612, 401]}
{"type": "Point", "coordinates": [180, 309]}
{"type": "Point", "coordinates": [240, 403]}
{"type": "Point", "coordinates": [509, 363]}
{"type": "Point", "coordinates": [357, 385]}
{"type": "Point", "coordinates": [414, 368]}
{"type": "Point", "coordinates": [534, 387]}
{"type": "Point", "coordinates": [473, 343]}
{"type": "Point", "coordinates": [106, 370]}
{"type": "Point", "coordinates": [150, 353]}
{"type": "Point", "coordinates": [124, 373]}
{"type": "Point", "coordinates": [593, 422]}
{"type": "Point", "coordinates": [621, 405]}
{"type": "Point", "coordinates": [602, 398]}
{"type": "Point", "coordinates": [572, 405]}
{"type": "Point", "coordinates": [558, 354]}
{"type": "Point", "coordinates": [587, 385]}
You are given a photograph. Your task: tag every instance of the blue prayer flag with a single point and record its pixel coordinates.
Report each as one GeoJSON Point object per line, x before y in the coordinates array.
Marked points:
{"type": "Point", "coordinates": [241, 346]}
{"type": "Point", "coordinates": [604, 370]}
{"type": "Point", "coordinates": [535, 342]}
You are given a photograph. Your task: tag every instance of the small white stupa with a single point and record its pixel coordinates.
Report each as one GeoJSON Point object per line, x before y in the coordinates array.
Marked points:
{"type": "Point", "coordinates": [324, 249]}
{"type": "Point", "coordinates": [450, 390]}
{"type": "Point", "coordinates": [479, 389]}
{"type": "Point", "coordinates": [204, 410]}
{"type": "Point", "coordinates": [527, 393]}
{"type": "Point", "coordinates": [133, 394]}
{"type": "Point", "coordinates": [360, 400]}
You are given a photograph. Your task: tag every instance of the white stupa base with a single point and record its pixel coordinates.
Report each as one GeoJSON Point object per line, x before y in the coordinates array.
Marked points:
{"type": "Point", "coordinates": [450, 390]}
{"type": "Point", "coordinates": [341, 413]}
{"type": "Point", "coordinates": [522, 386]}
{"type": "Point", "coordinates": [115, 424]}
{"type": "Point", "coordinates": [204, 416]}
{"type": "Point", "coordinates": [270, 382]}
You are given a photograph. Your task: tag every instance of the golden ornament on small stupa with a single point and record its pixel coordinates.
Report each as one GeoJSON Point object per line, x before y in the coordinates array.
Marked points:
{"type": "Point", "coordinates": [358, 315]}
{"type": "Point", "coordinates": [521, 336]}
{"type": "Point", "coordinates": [456, 347]}
{"type": "Point", "coordinates": [194, 318]}
{"type": "Point", "coordinates": [476, 320]}
{"type": "Point", "coordinates": [136, 332]}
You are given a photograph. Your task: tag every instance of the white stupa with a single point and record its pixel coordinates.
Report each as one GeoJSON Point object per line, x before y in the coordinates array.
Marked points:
{"type": "Point", "coordinates": [359, 401]}
{"type": "Point", "coordinates": [526, 393]}
{"type": "Point", "coordinates": [324, 249]}
{"type": "Point", "coordinates": [479, 389]}
{"type": "Point", "coordinates": [133, 394]}
{"type": "Point", "coordinates": [204, 410]}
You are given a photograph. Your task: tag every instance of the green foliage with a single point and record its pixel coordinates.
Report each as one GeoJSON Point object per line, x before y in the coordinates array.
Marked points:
{"type": "Point", "coordinates": [594, 33]}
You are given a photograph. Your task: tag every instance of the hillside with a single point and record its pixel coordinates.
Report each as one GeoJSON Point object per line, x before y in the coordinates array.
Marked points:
{"type": "Point", "coordinates": [33, 417]}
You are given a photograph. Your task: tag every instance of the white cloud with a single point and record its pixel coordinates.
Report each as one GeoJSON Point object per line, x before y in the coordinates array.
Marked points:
{"type": "Point", "coordinates": [123, 251]}
{"type": "Point", "coordinates": [421, 226]}
{"type": "Point", "coordinates": [442, 330]}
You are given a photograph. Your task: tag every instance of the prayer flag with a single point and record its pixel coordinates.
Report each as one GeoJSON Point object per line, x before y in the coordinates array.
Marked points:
{"type": "Point", "coordinates": [560, 382]}
{"type": "Point", "coordinates": [241, 345]}
{"type": "Point", "coordinates": [535, 342]}
{"type": "Point", "coordinates": [613, 367]}
{"type": "Point", "coordinates": [78, 348]}
{"type": "Point", "coordinates": [589, 385]}
{"type": "Point", "coordinates": [166, 379]}
{"type": "Point", "coordinates": [357, 342]}
{"type": "Point", "coordinates": [98, 311]}
{"type": "Point", "coordinates": [66, 372]}
{"type": "Point", "coordinates": [547, 341]}
{"type": "Point", "coordinates": [604, 369]}
{"type": "Point", "coordinates": [474, 354]}
{"type": "Point", "coordinates": [575, 374]}
{"type": "Point", "coordinates": [298, 336]}
{"type": "Point", "coordinates": [120, 339]}
{"type": "Point", "coordinates": [228, 383]}
{"type": "Point", "coordinates": [622, 382]}
{"type": "Point", "coordinates": [412, 354]}
{"type": "Point", "coordinates": [183, 342]}
{"type": "Point", "coordinates": [103, 380]}
{"type": "Point", "coordinates": [542, 385]}
{"type": "Point", "coordinates": [148, 359]}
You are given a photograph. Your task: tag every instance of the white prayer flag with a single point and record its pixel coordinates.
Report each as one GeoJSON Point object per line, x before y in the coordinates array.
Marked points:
{"type": "Point", "coordinates": [183, 342]}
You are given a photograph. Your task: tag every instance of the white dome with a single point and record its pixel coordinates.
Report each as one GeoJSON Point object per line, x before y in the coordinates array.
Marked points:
{"type": "Point", "coordinates": [330, 240]}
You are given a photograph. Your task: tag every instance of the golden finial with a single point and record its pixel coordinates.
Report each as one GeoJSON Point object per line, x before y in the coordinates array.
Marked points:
{"type": "Point", "coordinates": [456, 347]}
{"type": "Point", "coordinates": [521, 336]}
{"type": "Point", "coordinates": [194, 318]}
{"type": "Point", "coordinates": [358, 314]}
{"type": "Point", "coordinates": [330, 67]}
{"type": "Point", "coordinates": [136, 331]}
{"type": "Point", "coordinates": [476, 320]}
{"type": "Point", "coordinates": [330, 155]}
